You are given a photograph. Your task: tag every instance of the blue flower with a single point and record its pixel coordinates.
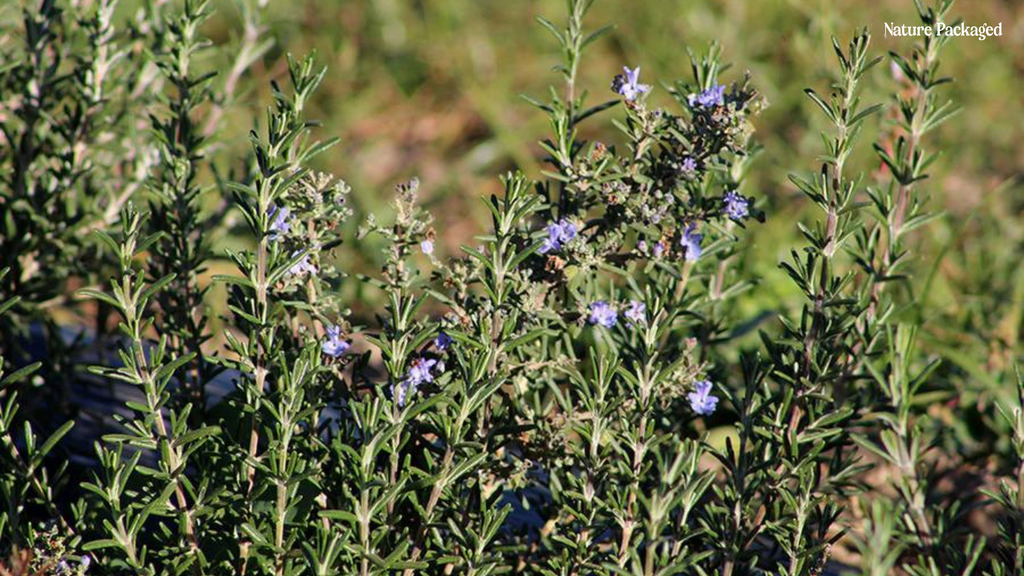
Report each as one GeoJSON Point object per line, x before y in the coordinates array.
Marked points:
{"type": "Point", "coordinates": [637, 313]}
{"type": "Point", "coordinates": [559, 233]}
{"type": "Point", "coordinates": [335, 345]}
{"type": "Point", "coordinates": [628, 84]}
{"type": "Point", "coordinates": [442, 342]}
{"type": "Point", "coordinates": [659, 248]}
{"type": "Point", "coordinates": [280, 225]}
{"type": "Point", "coordinates": [427, 246]}
{"type": "Point", "coordinates": [551, 243]}
{"type": "Point", "coordinates": [736, 206]}
{"type": "Point", "coordinates": [714, 96]}
{"type": "Point", "coordinates": [568, 231]}
{"type": "Point", "coordinates": [689, 165]}
{"type": "Point", "coordinates": [419, 373]}
{"type": "Point", "coordinates": [304, 266]}
{"type": "Point", "coordinates": [691, 243]}
{"type": "Point", "coordinates": [603, 315]}
{"type": "Point", "coordinates": [701, 400]}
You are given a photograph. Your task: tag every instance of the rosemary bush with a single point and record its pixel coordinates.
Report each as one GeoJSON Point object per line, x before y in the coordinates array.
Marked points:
{"type": "Point", "coordinates": [571, 394]}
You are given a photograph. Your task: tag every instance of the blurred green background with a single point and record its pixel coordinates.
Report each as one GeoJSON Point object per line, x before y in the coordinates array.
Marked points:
{"type": "Point", "coordinates": [432, 88]}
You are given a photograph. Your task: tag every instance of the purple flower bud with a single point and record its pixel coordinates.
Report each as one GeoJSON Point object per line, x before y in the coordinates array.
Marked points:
{"type": "Point", "coordinates": [659, 248]}
{"type": "Point", "coordinates": [701, 400]}
{"type": "Point", "coordinates": [85, 562]}
{"type": "Point", "coordinates": [689, 165]}
{"type": "Point", "coordinates": [602, 314]}
{"type": "Point", "coordinates": [735, 206]}
{"type": "Point", "coordinates": [442, 342]}
{"type": "Point", "coordinates": [691, 243]}
{"type": "Point", "coordinates": [335, 345]}
{"type": "Point", "coordinates": [628, 84]}
{"type": "Point", "coordinates": [427, 246]}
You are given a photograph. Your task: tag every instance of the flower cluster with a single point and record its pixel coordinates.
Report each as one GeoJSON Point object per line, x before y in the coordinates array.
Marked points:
{"type": "Point", "coordinates": [713, 96]}
{"type": "Point", "coordinates": [421, 371]}
{"type": "Point", "coordinates": [601, 313]}
{"type": "Point", "coordinates": [304, 221]}
{"type": "Point", "coordinates": [659, 189]}
{"type": "Point", "coordinates": [735, 206]}
{"type": "Point", "coordinates": [559, 234]}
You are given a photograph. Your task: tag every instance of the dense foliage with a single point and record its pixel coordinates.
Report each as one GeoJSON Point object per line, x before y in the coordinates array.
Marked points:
{"type": "Point", "coordinates": [571, 394]}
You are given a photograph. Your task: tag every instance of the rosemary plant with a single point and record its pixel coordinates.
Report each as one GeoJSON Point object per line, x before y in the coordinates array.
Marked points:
{"type": "Point", "coordinates": [578, 390]}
